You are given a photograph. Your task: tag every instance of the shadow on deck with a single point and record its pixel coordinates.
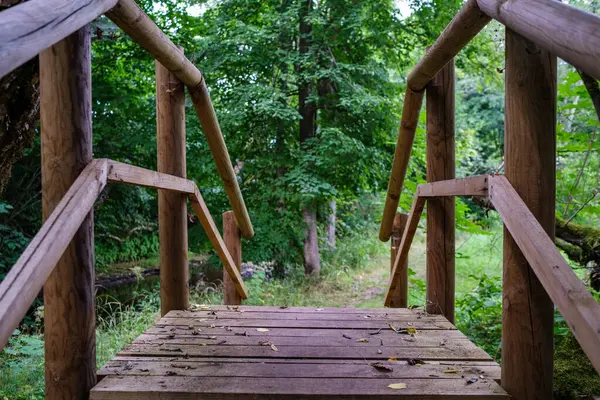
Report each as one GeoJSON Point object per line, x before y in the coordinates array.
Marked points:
{"type": "Point", "coordinates": [245, 352]}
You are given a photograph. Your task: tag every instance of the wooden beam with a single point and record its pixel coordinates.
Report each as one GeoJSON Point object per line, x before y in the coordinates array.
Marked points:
{"type": "Point", "coordinates": [233, 241]}
{"type": "Point", "coordinates": [172, 206]}
{"type": "Point", "coordinates": [400, 296]}
{"type": "Point", "coordinates": [406, 137]}
{"type": "Point", "coordinates": [530, 165]}
{"type": "Point", "coordinates": [32, 26]}
{"type": "Point", "coordinates": [26, 278]}
{"type": "Point", "coordinates": [409, 233]}
{"type": "Point", "coordinates": [563, 30]}
{"type": "Point", "coordinates": [217, 241]}
{"type": "Point", "coordinates": [470, 186]}
{"type": "Point", "coordinates": [469, 21]}
{"type": "Point", "coordinates": [441, 212]}
{"type": "Point", "coordinates": [132, 175]}
{"type": "Point", "coordinates": [129, 17]}
{"type": "Point", "coordinates": [578, 307]}
{"type": "Point", "coordinates": [66, 148]}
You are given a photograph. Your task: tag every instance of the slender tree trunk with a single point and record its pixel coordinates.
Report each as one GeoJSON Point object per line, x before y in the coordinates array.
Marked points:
{"type": "Point", "coordinates": [308, 127]}
{"type": "Point", "coordinates": [331, 224]}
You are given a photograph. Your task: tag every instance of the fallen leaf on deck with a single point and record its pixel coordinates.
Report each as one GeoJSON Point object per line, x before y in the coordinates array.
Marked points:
{"type": "Point", "coordinates": [397, 385]}
{"type": "Point", "coordinates": [379, 351]}
{"type": "Point", "coordinates": [393, 359]}
{"type": "Point", "coordinates": [265, 342]}
{"type": "Point", "coordinates": [415, 361]}
{"type": "Point", "coordinates": [274, 348]}
{"type": "Point", "coordinates": [241, 334]}
{"type": "Point", "coordinates": [346, 336]}
{"type": "Point", "coordinates": [471, 380]}
{"type": "Point", "coordinates": [212, 325]}
{"type": "Point", "coordinates": [411, 330]}
{"type": "Point", "coordinates": [363, 340]}
{"type": "Point", "coordinates": [451, 371]}
{"type": "Point", "coordinates": [381, 367]}
{"type": "Point", "coordinates": [262, 330]}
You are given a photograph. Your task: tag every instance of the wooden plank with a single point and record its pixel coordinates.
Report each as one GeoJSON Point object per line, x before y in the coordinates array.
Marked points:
{"type": "Point", "coordinates": [409, 233]}
{"type": "Point", "coordinates": [578, 307]}
{"type": "Point", "coordinates": [209, 337]}
{"type": "Point", "coordinates": [401, 296]}
{"type": "Point", "coordinates": [232, 237]}
{"type": "Point", "coordinates": [315, 315]}
{"type": "Point", "coordinates": [292, 369]}
{"type": "Point", "coordinates": [182, 387]}
{"type": "Point", "coordinates": [470, 186]}
{"type": "Point", "coordinates": [131, 175]}
{"type": "Point", "coordinates": [406, 137]}
{"type": "Point", "coordinates": [217, 241]}
{"type": "Point", "coordinates": [300, 310]}
{"type": "Point", "coordinates": [441, 211]}
{"type": "Point", "coordinates": [566, 31]}
{"type": "Point", "coordinates": [469, 21]}
{"type": "Point", "coordinates": [129, 17]}
{"type": "Point", "coordinates": [66, 148]}
{"type": "Point", "coordinates": [530, 166]}
{"type": "Point", "coordinates": [26, 278]}
{"type": "Point", "coordinates": [467, 353]}
{"type": "Point", "coordinates": [30, 27]}
{"type": "Point", "coordinates": [172, 207]}
{"type": "Point", "coordinates": [315, 324]}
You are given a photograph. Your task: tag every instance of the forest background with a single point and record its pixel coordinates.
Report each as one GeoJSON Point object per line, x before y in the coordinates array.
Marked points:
{"type": "Point", "coordinates": [309, 95]}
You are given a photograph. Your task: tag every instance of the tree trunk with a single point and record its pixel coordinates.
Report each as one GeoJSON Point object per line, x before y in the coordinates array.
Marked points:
{"type": "Point", "coordinates": [312, 259]}
{"type": "Point", "coordinates": [308, 128]}
{"type": "Point", "coordinates": [331, 224]}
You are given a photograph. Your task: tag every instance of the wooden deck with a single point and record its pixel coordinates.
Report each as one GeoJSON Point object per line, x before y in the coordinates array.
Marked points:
{"type": "Point", "coordinates": [219, 352]}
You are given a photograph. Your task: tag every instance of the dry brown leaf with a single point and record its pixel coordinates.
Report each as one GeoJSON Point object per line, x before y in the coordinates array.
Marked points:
{"type": "Point", "coordinates": [363, 340]}
{"type": "Point", "coordinates": [274, 348]}
{"type": "Point", "coordinates": [381, 367]}
{"type": "Point", "coordinates": [397, 385]}
{"type": "Point", "coordinates": [393, 359]}
{"type": "Point", "coordinates": [262, 330]}
{"type": "Point", "coordinates": [451, 371]}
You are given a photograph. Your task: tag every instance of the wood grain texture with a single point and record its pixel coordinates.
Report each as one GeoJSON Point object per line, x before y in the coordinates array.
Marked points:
{"type": "Point", "coordinates": [233, 241]}
{"type": "Point", "coordinates": [131, 175]}
{"type": "Point", "coordinates": [563, 30]}
{"type": "Point", "coordinates": [406, 137]}
{"type": "Point", "coordinates": [409, 233]}
{"type": "Point", "coordinates": [172, 206]}
{"type": "Point", "coordinates": [530, 166]}
{"type": "Point", "coordinates": [400, 297]}
{"type": "Point", "coordinates": [441, 211]}
{"type": "Point", "coordinates": [470, 186]}
{"type": "Point", "coordinates": [26, 278]}
{"type": "Point", "coordinates": [216, 240]}
{"type": "Point", "coordinates": [469, 21]}
{"type": "Point", "coordinates": [66, 147]}
{"type": "Point", "coordinates": [129, 17]}
{"type": "Point", "coordinates": [577, 306]}
{"type": "Point", "coordinates": [32, 26]}
{"type": "Point", "coordinates": [289, 362]}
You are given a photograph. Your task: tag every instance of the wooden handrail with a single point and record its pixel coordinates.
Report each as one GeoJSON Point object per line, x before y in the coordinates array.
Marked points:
{"type": "Point", "coordinates": [26, 278]}
{"type": "Point", "coordinates": [575, 303]}
{"type": "Point", "coordinates": [133, 21]}
{"type": "Point", "coordinates": [566, 31]}
{"type": "Point", "coordinates": [28, 28]}
{"type": "Point", "coordinates": [470, 186]}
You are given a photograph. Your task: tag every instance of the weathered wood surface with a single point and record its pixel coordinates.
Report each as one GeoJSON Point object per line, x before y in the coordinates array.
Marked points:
{"type": "Point", "coordinates": [530, 167]}
{"type": "Point", "coordinates": [66, 148]}
{"type": "Point", "coordinates": [233, 241]}
{"type": "Point", "coordinates": [131, 175]}
{"type": "Point", "coordinates": [26, 278]}
{"type": "Point", "coordinates": [577, 306]}
{"type": "Point", "coordinates": [311, 363]}
{"type": "Point", "coordinates": [400, 297]}
{"type": "Point", "coordinates": [130, 17]}
{"type": "Point", "coordinates": [409, 233]}
{"type": "Point", "coordinates": [469, 21]}
{"type": "Point", "coordinates": [471, 186]}
{"type": "Point", "coordinates": [406, 137]}
{"type": "Point", "coordinates": [172, 206]}
{"type": "Point", "coordinates": [32, 26]}
{"type": "Point", "coordinates": [563, 30]}
{"type": "Point", "coordinates": [441, 211]}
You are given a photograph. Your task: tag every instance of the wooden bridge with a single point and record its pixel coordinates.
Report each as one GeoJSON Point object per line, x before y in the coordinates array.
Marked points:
{"type": "Point", "coordinates": [241, 352]}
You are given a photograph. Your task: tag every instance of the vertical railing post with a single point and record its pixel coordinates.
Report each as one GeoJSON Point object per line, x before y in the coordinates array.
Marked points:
{"type": "Point", "coordinates": [232, 236]}
{"type": "Point", "coordinates": [400, 296]}
{"type": "Point", "coordinates": [440, 210]}
{"type": "Point", "coordinates": [172, 207]}
{"type": "Point", "coordinates": [530, 157]}
{"type": "Point", "coordinates": [66, 147]}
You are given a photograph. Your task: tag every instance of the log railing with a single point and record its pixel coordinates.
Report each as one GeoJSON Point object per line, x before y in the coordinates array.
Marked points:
{"type": "Point", "coordinates": [26, 278]}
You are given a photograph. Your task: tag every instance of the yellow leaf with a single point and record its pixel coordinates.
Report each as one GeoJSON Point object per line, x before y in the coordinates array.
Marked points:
{"type": "Point", "coordinates": [393, 359]}
{"type": "Point", "coordinates": [451, 371]}
{"type": "Point", "coordinates": [262, 330]}
{"type": "Point", "coordinates": [397, 385]}
{"type": "Point", "coordinates": [212, 325]}
{"type": "Point", "coordinates": [411, 330]}
{"type": "Point", "coordinates": [363, 340]}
